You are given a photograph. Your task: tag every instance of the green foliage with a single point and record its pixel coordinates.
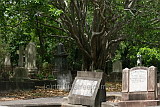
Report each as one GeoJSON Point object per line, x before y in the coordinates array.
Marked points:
{"type": "Point", "coordinates": [22, 21]}
{"type": "Point", "coordinates": [150, 56]}
{"type": "Point", "coordinates": [40, 76]}
{"type": "Point", "coordinates": [3, 51]}
{"type": "Point", "coordinates": [54, 11]}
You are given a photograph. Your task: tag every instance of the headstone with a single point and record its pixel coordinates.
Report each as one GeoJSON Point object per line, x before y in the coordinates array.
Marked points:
{"type": "Point", "coordinates": [30, 59]}
{"type": "Point", "coordinates": [20, 52]}
{"type": "Point", "coordinates": [116, 74]}
{"type": "Point", "coordinates": [20, 73]}
{"type": "Point", "coordinates": [64, 77]}
{"type": "Point", "coordinates": [7, 63]}
{"type": "Point", "coordinates": [117, 66]}
{"type": "Point", "coordinates": [139, 87]}
{"type": "Point", "coordinates": [88, 90]}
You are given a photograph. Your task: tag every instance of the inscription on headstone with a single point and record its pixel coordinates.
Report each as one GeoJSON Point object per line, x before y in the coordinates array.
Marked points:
{"type": "Point", "coordinates": [88, 89]}
{"type": "Point", "coordinates": [138, 80]}
{"type": "Point", "coordinates": [84, 87]}
{"type": "Point", "coordinates": [139, 87]}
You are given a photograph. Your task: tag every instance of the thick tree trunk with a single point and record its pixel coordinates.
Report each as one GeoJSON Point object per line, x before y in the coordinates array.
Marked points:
{"type": "Point", "coordinates": [95, 27]}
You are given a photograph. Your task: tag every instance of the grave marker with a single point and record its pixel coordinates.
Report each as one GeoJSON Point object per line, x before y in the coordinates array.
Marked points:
{"type": "Point", "coordinates": [139, 87]}
{"type": "Point", "coordinates": [88, 89]}
{"type": "Point", "coordinates": [138, 78]}
{"type": "Point", "coordinates": [21, 52]}
{"type": "Point", "coordinates": [64, 76]}
{"type": "Point", "coordinates": [117, 66]}
{"type": "Point", "coordinates": [30, 59]}
{"type": "Point", "coordinates": [7, 63]}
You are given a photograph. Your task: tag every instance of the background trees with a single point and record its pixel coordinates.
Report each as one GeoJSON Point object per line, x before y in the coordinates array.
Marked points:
{"type": "Point", "coordinates": [90, 29]}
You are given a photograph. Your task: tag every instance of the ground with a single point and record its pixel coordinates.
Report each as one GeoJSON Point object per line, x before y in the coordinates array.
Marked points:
{"type": "Point", "coordinates": [42, 93]}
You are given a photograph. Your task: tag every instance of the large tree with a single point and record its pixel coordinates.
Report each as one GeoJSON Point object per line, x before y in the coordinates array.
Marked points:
{"type": "Point", "coordinates": [96, 26]}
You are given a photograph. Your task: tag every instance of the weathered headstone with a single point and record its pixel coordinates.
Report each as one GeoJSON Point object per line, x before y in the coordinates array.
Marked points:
{"type": "Point", "coordinates": [88, 89]}
{"type": "Point", "coordinates": [117, 66]}
{"type": "Point", "coordinates": [20, 73]}
{"type": "Point", "coordinates": [64, 77]}
{"type": "Point", "coordinates": [7, 63]}
{"type": "Point", "coordinates": [116, 74]}
{"type": "Point", "coordinates": [30, 59]}
{"type": "Point", "coordinates": [139, 87]}
{"type": "Point", "coordinates": [21, 52]}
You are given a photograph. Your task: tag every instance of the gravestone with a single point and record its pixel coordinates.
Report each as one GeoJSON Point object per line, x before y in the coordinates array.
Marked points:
{"type": "Point", "coordinates": [7, 63]}
{"type": "Point", "coordinates": [64, 77]}
{"type": "Point", "coordinates": [30, 59]}
{"type": "Point", "coordinates": [139, 87]}
{"type": "Point", "coordinates": [20, 52]}
{"type": "Point", "coordinates": [20, 73]}
{"type": "Point", "coordinates": [88, 90]}
{"type": "Point", "coordinates": [117, 66]}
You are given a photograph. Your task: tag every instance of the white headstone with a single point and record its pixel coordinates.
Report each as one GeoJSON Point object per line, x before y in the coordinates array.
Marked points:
{"type": "Point", "coordinates": [117, 66]}
{"type": "Point", "coordinates": [138, 80]}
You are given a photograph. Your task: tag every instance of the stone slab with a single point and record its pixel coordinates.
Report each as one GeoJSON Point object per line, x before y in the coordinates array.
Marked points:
{"type": "Point", "coordinates": [70, 105]}
{"type": "Point", "coordinates": [39, 102]}
{"type": "Point", "coordinates": [138, 103]}
{"type": "Point", "coordinates": [88, 89]}
{"type": "Point", "coordinates": [109, 104]}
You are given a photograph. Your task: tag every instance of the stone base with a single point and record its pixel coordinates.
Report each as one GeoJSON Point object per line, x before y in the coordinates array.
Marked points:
{"type": "Point", "coordinates": [139, 103]}
{"type": "Point", "coordinates": [109, 104]}
{"type": "Point", "coordinates": [64, 81]}
{"type": "Point", "coordinates": [12, 85]}
{"type": "Point", "coordinates": [70, 105]}
{"type": "Point", "coordinates": [65, 103]}
{"type": "Point", "coordinates": [139, 96]}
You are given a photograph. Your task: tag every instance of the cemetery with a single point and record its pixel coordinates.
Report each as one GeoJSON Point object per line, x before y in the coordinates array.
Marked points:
{"type": "Point", "coordinates": [79, 53]}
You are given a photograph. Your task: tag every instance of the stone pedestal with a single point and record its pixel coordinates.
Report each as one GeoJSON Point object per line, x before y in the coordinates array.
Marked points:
{"type": "Point", "coordinates": [20, 74]}
{"type": "Point", "coordinates": [139, 87]}
{"type": "Point", "coordinates": [64, 81]}
{"type": "Point", "coordinates": [139, 103]}
{"type": "Point", "coordinates": [64, 77]}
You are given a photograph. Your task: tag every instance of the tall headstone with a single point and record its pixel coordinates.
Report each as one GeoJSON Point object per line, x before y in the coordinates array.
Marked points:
{"type": "Point", "coordinates": [30, 59]}
{"type": "Point", "coordinates": [20, 73]}
{"type": "Point", "coordinates": [64, 77]}
{"type": "Point", "coordinates": [88, 90]}
{"type": "Point", "coordinates": [139, 87]}
{"type": "Point", "coordinates": [7, 63]}
{"type": "Point", "coordinates": [21, 52]}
